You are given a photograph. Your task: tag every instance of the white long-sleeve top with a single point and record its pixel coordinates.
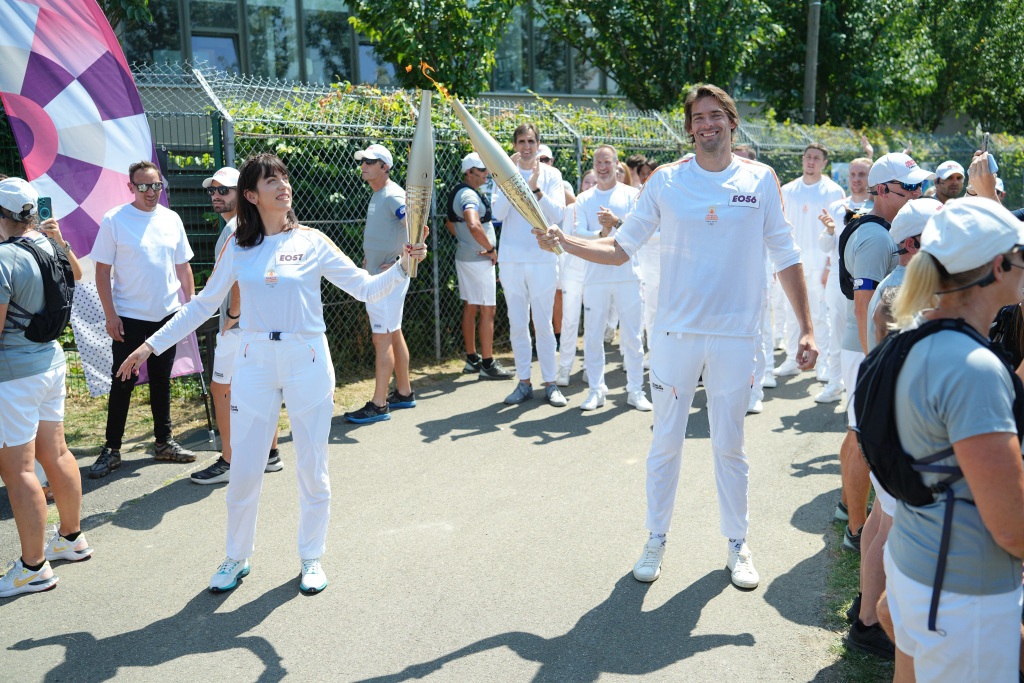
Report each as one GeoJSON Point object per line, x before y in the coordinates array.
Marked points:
{"type": "Point", "coordinates": [279, 281]}
{"type": "Point", "coordinates": [803, 204]}
{"type": "Point", "coordinates": [716, 228]}
{"type": "Point", "coordinates": [830, 243]}
{"type": "Point", "coordinates": [517, 243]}
{"type": "Point", "coordinates": [619, 200]}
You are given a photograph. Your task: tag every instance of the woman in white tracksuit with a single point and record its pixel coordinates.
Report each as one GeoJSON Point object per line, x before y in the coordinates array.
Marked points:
{"type": "Point", "coordinates": [278, 265]}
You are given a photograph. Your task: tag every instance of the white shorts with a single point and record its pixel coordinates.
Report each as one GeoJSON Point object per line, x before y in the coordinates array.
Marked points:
{"type": "Point", "coordinates": [386, 314]}
{"type": "Point", "coordinates": [477, 284]}
{"type": "Point", "coordinates": [224, 355]}
{"type": "Point", "coordinates": [27, 401]}
{"type": "Point", "coordinates": [978, 636]}
{"type": "Point", "coordinates": [887, 502]}
{"type": "Point", "coordinates": [850, 360]}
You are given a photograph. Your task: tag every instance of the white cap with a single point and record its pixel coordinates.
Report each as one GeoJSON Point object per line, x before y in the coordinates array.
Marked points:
{"type": "Point", "coordinates": [376, 152]}
{"type": "Point", "coordinates": [227, 176]}
{"type": "Point", "coordinates": [544, 151]}
{"type": "Point", "coordinates": [912, 218]}
{"type": "Point", "coordinates": [472, 160]}
{"type": "Point", "coordinates": [1000, 188]}
{"type": "Point", "coordinates": [17, 196]}
{"type": "Point", "coordinates": [948, 168]}
{"type": "Point", "coordinates": [896, 166]}
{"type": "Point", "coordinates": [970, 232]}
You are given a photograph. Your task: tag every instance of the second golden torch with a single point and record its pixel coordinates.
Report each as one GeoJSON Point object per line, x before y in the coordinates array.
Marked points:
{"type": "Point", "coordinates": [504, 171]}
{"type": "Point", "coordinates": [419, 181]}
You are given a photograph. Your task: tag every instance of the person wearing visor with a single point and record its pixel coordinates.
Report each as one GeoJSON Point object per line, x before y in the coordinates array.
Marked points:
{"type": "Point", "coordinates": [868, 254]}
{"type": "Point", "coordinates": [32, 376]}
{"type": "Point", "coordinates": [954, 393]}
{"type": "Point", "coordinates": [141, 255]}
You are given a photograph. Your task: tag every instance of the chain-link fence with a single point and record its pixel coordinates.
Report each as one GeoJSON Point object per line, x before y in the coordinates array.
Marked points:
{"type": "Point", "coordinates": [202, 118]}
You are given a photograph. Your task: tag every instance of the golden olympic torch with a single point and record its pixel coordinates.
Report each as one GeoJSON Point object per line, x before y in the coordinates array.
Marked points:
{"type": "Point", "coordinates": [503, 171]}
{"type": "Point", "coordinates": [419, 181]}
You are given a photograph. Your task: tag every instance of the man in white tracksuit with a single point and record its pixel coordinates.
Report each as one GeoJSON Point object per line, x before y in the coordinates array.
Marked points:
{"type": "Point", "coordinates": [529, 275]}
{"type": "Point", "coordinates": [599, 213]}
{"type": "Point", "coordinates": [718, 215]}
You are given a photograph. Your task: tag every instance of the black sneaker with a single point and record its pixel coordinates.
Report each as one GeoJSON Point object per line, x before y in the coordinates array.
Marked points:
{"type": "Point", "coordinates": [496, 371]}
{"type": "Point", "coordinates": [397, 401]}
{"type": "Point", "coordinates": [217, 473]}
{"type": "Point", "coordinates": [172, 451]}
{"type": "Point", "coordinates": [109, 460]}
{"type": "Point", "coordinates": [871, 640]}
{"type": "Point", "coordinates": [472, 366]}
{"type": "Point", "coordinates": [274, 463]}
{"type": "Point", "coordinates": [851, 541]}
{"type": "Point", "coordinates": [371, 412]}
{"type": "Point", "coordinates": [853, 614]}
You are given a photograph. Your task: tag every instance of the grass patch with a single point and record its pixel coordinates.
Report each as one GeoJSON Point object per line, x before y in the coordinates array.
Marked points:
{"type": "Point", "coordinates": [841, 587]}
{"type": "Point", "coordinates": [85, 418]}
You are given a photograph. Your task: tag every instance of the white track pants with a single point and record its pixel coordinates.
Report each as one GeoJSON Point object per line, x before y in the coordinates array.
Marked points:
{"type": "Point", "coordinates": [764, 347]}
{"type": "Point", "coordinates": [531, 286]}
{"type": "Point", "coordinates": [819, 317]}
{"type": "Point", "coordinates": [778, 305]}
{"type": "Point", "coordinates": [649, 259]}
{"type": "Point", "coordinates": [625, 298]}
{"type": "Point", "coordinates": [727, 363]}
{"type": "Point", "coordinates": [836, 301]}
{"type": "Point", "coordinates": [298, 370]}
{"type": "Point", "coordinates": [572, 306]}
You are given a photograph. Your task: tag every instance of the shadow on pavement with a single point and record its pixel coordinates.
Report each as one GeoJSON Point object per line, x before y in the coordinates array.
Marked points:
{"type": "Point", "coordinates": [197, 629]}
{"type": "Point", "coordinates": [165, 499]}
{"type": "Point", "coordinates": [617, 636]}
{"type": "Point", "coordinates": [822, 464]}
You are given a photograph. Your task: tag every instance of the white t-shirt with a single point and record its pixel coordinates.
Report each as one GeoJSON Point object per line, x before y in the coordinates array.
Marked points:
{"type": "Point", "coordinates": [279, 284]}
{"type": "Point", "coordinates": [715, 230]}
{"type": "Point", "coordinates": [517, 243]}
{"type": "Point", "coordinates": [619, 200]}
{"type": "Point", "coordinates": [573, 267]}
{"type": "Point", "coordinates": [143, 247]}
{"type": "Point", "coordinates": [803, 204]}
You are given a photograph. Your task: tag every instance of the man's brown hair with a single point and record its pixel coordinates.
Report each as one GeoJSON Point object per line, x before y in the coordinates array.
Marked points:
{"type": "Point", "coordinates": [699, 92]}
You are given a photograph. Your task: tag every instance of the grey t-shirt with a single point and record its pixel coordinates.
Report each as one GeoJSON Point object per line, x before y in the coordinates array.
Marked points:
{"type": "Point", "coordinates": [469, 249]}
{"type": "Point", "coordinates": [870, 255]}
{"type": "Point", "coordinates": [21, 282]}
{"type": "Point", "coordinates": [951, 388]}
{"type": "Point", "coordinates": [892, 281]}
{"type": "Point", "coordinates": [385, 234]}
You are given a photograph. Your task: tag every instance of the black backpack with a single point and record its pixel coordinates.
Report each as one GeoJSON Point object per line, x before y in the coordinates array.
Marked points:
{"type": "Point", "coordinates": [485, 215]}
{"type": "Point", "coordinates": [58, 293]}
{"type": "Point", "coordinates": [878, 435]}
{"type": "Point", "coordinates": [845, 279]}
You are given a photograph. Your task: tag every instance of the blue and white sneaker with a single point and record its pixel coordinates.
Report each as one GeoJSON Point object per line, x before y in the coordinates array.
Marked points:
{"type": "Point", "coordinates": [313, 579]}
{"type": "Point", "coordinates": [369, 413]}
{"type": "Point", "coordinates": [228, 574]}
{"type": "Point", "coordinates": [20, 580]}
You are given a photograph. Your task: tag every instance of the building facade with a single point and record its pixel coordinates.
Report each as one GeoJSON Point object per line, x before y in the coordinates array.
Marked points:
{"type": "Point", "coordinates": [312, 41]}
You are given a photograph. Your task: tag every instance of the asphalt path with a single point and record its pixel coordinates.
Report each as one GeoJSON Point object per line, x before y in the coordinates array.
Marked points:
{"type": "Point", "coordinates": [469, 541]}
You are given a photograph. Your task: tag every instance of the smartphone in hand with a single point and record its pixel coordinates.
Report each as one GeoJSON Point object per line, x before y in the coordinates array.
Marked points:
{"type": "Point", "coordinates": [44, 209]}
{"type": "Point", "coordinates": [993, 167]}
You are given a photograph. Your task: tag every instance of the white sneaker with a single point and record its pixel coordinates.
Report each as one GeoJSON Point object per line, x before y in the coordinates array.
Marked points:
{"type": "Point", "coordinates": [562, 379]}
{"type": "Point", "coordinates": [593, 401]}
{"type": "Point", "coordinates": [60, 548]}
{"type": "Point", "coordinates": [830, 394]}
{"type": "Point", "coordinates": [787, 369]}
{"type": "Point", "coordinates": [648, 567]}
{"type": "Point", "coordinates": [314, 579]}
{"type": "Point", "coordinates": [609, 335]}
{"type": "Point", "coordinates": [769, 381]}
{"type": "Point", "coordinates": [639, 401]}
{"type": "Point", "coordinates": [19, 580]}
{"type": "Point", "coordinates": [756, 405]}
{"type": "Point", "coordinates": [741, 564]}
{"type": "Point", "coordinates": [228, 574]}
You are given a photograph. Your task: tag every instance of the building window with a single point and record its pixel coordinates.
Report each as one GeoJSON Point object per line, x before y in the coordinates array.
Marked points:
{"type": "Point", "coordinates": [158, 42]}
{"type": "Point", "coordinates": [373, 69]}
{"type": "Point", "coordinates": [328, 41]}
{"type": "Point", "coordinates": [220, 52]}
{"type": "Point", "coordinates": [273, 39]}
{"type": "Point", "coordinates": [511, 69]}
{"type": "Point", "coordinates": [550, 60]}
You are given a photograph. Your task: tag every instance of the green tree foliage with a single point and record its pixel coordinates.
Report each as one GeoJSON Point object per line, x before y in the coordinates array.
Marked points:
{"type": "Point", "coordinates": [909, 63]}
{"type": "Point", "coordinates": [456, 37]}
{"type": "Point", "coordinates": [128, 12]}
{"type": "Point", "coordinates": [655, 48]}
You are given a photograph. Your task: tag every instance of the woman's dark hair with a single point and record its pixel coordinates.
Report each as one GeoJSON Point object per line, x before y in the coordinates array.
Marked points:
{"type": "Point", "coordinates": [250, 230]}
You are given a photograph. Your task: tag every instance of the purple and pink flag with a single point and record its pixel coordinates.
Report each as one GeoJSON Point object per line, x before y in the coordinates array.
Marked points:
{"type": "Point", "coordinates": [79, 124]}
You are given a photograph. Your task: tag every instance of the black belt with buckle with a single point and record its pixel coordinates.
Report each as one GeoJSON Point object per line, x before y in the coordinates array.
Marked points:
{"type": "Point", "coordinates": [275, 336]}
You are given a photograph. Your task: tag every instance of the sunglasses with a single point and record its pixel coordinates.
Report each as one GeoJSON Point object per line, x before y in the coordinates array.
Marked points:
{"type": "Point", "coordinates": [146, 187]}
{"type": "Point", "coordinates": [222, 191]}
{"type": "Point", "coordinates": [909, 187]}
{"type": "Point", "coordinates": [545, 160]}
{"type": "Point", "coordinates": [371, 162]}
